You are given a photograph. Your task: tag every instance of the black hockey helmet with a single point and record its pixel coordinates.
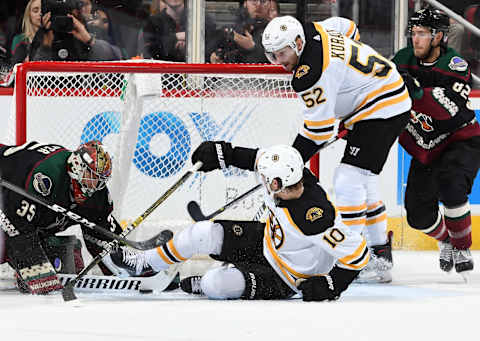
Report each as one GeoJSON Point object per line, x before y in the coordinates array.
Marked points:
{"type": "Point", "coordinates": [433, 18]}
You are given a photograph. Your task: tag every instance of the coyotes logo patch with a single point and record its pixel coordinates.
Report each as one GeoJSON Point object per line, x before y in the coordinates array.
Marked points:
{"type": "Point", "coordinates": [423, 119]}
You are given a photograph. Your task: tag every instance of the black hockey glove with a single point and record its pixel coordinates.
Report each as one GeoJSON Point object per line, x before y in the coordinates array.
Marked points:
{"type": "Point", "coordinates": [318, 288]}
{"type": "Point", "coordinates": [214, 155]}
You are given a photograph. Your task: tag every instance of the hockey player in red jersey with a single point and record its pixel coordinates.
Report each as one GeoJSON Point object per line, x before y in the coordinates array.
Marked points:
{"type": "Point", "coordinates": [338, 78]}
{"type": "Point", "coordinates": [302, 248]}
{"type": "Point", "coordinates": [443, 138]}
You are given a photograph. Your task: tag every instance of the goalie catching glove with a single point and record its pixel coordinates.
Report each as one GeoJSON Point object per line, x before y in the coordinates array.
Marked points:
{"type": "Point", "coordinates": [221, 155]}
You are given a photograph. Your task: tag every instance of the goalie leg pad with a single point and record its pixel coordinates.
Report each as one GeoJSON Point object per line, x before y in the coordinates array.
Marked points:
{"type": "Point", "coordinates": [29, 260]}
{"type": "Point", "coordinates": [242, 242]}
{"type": "Point", "coordinates": [223, 283]}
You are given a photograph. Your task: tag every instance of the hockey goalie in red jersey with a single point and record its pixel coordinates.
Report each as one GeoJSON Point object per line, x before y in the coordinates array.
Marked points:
{"type": "Point", "coordinates": [303, 248]}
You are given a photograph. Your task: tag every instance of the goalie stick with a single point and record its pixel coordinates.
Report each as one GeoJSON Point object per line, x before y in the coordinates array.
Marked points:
{"type": "Point", "coordinates": [196, 213]}
{"type": "Point", "coordinates": [67, 292]}
{"type": "Point", "coordinates": [151, 243]}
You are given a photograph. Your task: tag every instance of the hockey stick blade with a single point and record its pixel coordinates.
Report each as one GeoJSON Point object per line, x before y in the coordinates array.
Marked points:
{"type": "Point", "coordinates": [195, 211]}
{"type": "Point", "coordinates": [73, 216]}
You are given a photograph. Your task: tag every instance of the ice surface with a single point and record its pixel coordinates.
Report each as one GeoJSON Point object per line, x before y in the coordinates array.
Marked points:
{"type": "Point", "coordinates": [422, 303]}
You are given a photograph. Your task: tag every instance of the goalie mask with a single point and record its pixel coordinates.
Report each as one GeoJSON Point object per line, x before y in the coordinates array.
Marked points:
{"type": "Point", "coordinates": [282, 163]}
{"type": "Point", "coordinates": [282, 32]}
{"type": "Point", "coordinates": [90, 167]}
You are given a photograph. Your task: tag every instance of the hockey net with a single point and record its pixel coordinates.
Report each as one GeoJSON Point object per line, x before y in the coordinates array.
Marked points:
{"type": "Point", "coordinates": [151, 116]}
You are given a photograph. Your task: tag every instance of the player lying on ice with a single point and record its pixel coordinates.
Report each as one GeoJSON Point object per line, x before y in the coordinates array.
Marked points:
{"type": "Point", "coordinates": [74, 179]}
{"type": "Point", "coordinates": [303, 247]}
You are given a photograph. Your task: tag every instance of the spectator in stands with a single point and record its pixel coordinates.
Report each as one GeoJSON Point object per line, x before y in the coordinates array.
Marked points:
{"type": "Point", "coordinates": [274, 10]}
{"type": "Point", "coordinates": [30, 24]}
{"type": "Point", "coordinates": [164, 34]}
{"type": "Point", "coordinates": [127, 18]}
{"type": "Point", "coordinates": [97, 20]}
{"type": "Point", "coordinates": [241, 42]}
{"type": "Point", "coordinates": [157, 6]}
{"type": "Point", "coordinates": [70, 41]}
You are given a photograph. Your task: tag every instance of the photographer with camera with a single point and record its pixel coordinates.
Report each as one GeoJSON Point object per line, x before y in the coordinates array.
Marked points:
{"type": "Point", "coordinates": [64, 36]}
{"type": "Point", "coordinates": [242, 41]}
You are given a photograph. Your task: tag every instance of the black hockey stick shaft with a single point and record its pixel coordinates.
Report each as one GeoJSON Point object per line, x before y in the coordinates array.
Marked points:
{"type": "Point", "coordinates": [67, 292]}
{"type": "Point", "coordinates": [142, 245]}
{"type": "Point", "coordinates": [196, 213]}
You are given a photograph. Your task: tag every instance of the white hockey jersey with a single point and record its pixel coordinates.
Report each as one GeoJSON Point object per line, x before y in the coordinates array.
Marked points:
{"type": "Point", "coordinates": [305, 238]}
{"type": "Point", "coordinates": [340, 78]}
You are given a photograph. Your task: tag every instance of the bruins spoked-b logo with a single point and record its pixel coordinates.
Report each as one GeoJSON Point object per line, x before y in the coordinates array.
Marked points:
{"type": "Point", "coordinates": [42, 184]}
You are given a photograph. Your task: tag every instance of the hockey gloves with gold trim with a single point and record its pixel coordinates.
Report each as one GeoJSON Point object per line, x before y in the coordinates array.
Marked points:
{"type": "Point", "coordinates": [318, 288]}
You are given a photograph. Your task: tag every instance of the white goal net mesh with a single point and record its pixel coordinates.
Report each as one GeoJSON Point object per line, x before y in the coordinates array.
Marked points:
{"type": "Point", "coordinates": [152, 122]}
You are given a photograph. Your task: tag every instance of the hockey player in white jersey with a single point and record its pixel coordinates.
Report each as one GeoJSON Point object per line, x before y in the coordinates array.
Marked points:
{"type": "Point", "coordinates": [338, 78]}
{"type": "Point", "coordinates": [302, 248]}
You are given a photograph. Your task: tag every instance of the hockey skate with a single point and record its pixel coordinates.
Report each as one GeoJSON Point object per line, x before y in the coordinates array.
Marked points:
{"type": "Point", "coordinates": [463, 262]}
{"type": "Point", "coordinates": [378, 269]}
{"type": "Point", "coordinates": [446, 255]}
{"type": "Point", "coordinates": [191, 285]}
{"type": "Point", "coordinates": [133, 262]}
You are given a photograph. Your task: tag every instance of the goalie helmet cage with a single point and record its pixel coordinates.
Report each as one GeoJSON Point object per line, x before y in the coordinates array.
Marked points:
{"type": "Point", "coordinates": [151, 116]}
